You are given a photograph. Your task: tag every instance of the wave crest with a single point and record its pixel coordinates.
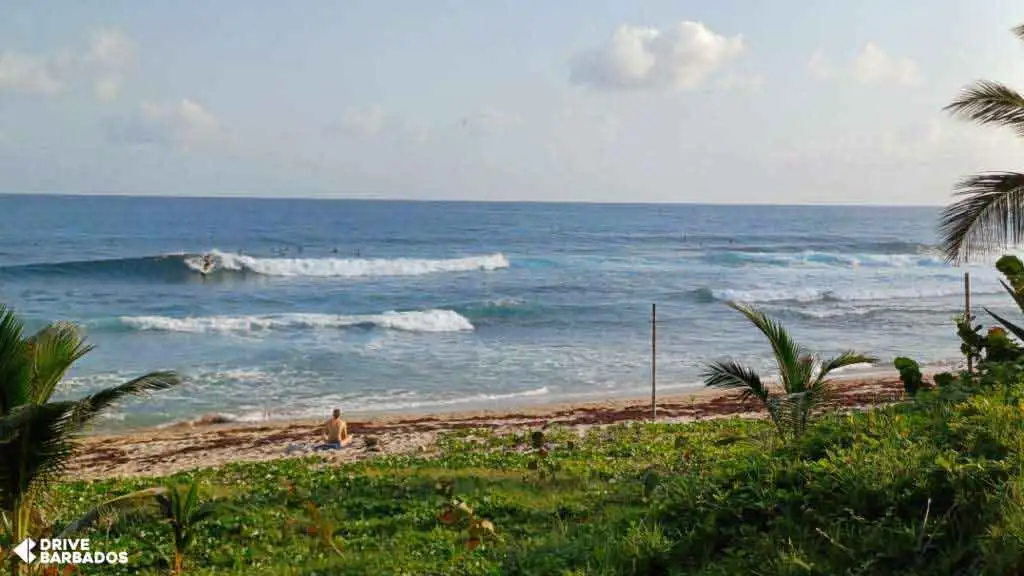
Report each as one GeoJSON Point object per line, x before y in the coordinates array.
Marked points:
{"type": "Point", "coordinates": [412, 321]}
{"type": "Point", "coordinates": [805, 295]}
{"type": "Point", "coordinates": [810, 258]}
{"type": "Point", "coordinates": [346, 267]}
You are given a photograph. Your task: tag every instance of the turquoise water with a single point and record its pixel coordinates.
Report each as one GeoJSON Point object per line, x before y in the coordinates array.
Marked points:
{"type": "Point", "coordinates": [385, 306]}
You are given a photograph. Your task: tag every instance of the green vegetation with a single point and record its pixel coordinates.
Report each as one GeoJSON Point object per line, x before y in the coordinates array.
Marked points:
{"type": "Point", "coordinates": [990, 212]}
{"type": "Point", "coordinates": [177, 506]}
{"type": "Point", "coordinates": [910, 374]}
{"type": "Point", "coordinates": [927, 487]}
{"type": "Point", "coordinates": [806, 388]}
{"type": "Point", "coordinates": [36, 434]}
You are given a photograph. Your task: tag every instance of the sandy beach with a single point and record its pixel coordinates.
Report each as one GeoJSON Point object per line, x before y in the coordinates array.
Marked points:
{"type": "Point", "coordinates": [162, 451]}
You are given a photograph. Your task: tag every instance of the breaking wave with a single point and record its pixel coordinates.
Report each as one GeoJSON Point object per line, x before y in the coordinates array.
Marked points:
{"type": "Point", "coordinates": [187, 267]}
{"type": "Point", "coordinates": [345, 267]}
{"type": "Point", "coordinates": [824, 295]}
{"type": "Point", "coordinates": [823, 259]}
{"type": "Point", "coordinates": [413, 321]}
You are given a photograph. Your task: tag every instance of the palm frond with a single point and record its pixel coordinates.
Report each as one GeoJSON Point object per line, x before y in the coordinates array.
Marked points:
{"type": "Point", "coordinates": [12, 422]}
{"type": "Point", "coordinates": [54, 349]}
{"type": "Point", "coordinates": [1018, 298]}
{"type": "Point", "coordinates": [732, 375]}
{"type": "Point", "coordinates": [116, 506]}
{"type": "Point", "coordinates": [1010, 326]}
{"type": "Point", "coordinates": [844, 359]}
{"type": "Point", "coordinates": [191, 501]}
{"type": "Point", "coordinates": [36, 452]}
{"type": "Point", "coordinates": [91, 406]}
{"type": "Point", "coordinates": [1018, 31]}
{"type": "Point", "coordinates": [791, 408]}
{"type": "Point", "coordinates": [804, 374]}
{"type": "Point", "coordinates": [15, 368]}
{"type": "Point", "coordinates": [797, 409]}
{"type": "Point", "coordinates": [989, 215]}
{"type": "Point", "coordinates": [206, 511]}
{"type": "Point", "coordinates": [988, 102]}
{"type": "Point", "coordinates": [786, 351]}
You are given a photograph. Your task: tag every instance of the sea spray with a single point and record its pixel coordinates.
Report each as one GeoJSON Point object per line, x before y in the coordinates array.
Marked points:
{"type": "Point", "coordinates": [411, 321]}
{"type": "Point", "coordinates": [346, 267]}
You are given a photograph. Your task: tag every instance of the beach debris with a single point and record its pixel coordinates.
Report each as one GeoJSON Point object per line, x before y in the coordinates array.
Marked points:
{"type": "Point", "coordinates": [456, 512]}
{"type": "Point", "coordinates": [372, 443]}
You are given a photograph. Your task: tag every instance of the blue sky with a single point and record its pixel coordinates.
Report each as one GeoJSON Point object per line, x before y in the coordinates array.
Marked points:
{"type": "Point", "coordinates": [657, 101]}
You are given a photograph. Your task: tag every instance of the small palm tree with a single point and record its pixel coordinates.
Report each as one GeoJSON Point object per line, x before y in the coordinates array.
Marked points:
{"type": "Point", "coordinates": [37, 436]}
{"type": "Point", "coordinates": [806, 387]}
{"type": "Point", "coordinates": [178, 506]}
{"type": "Point", "coordinates": [990, 212]}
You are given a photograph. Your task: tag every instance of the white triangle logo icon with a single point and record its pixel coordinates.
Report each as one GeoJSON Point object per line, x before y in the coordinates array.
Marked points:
{"type": "Point", "coordinates": [24, 550]}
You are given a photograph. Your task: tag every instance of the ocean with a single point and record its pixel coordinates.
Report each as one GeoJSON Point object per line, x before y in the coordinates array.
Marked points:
{"type": "Point", "coordinates": [381, 306]}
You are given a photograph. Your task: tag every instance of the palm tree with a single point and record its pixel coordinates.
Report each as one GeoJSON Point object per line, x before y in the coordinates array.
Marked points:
{"type": "Point", "coordinates": [178, 506]}
{"type": "Point", "coordinates": [990, 211]}
{"type": "Point", "coordinates": [806, 387]}
{"type": "Point", "coordinates": [37, 436]}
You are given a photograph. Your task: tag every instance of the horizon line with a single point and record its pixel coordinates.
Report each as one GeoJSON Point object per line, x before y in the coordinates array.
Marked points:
{"type": "Point", "coordinates": [243, 196]}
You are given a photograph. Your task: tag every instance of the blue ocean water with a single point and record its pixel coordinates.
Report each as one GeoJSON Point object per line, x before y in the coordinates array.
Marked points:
{"type": "Point", "coordinates": [385, 306]}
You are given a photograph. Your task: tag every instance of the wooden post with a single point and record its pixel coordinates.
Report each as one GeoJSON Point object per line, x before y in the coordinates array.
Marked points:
{"type": "Point", "coordinates": [967, 314]}
{"type": "Point", "coordinates": [654, 360]}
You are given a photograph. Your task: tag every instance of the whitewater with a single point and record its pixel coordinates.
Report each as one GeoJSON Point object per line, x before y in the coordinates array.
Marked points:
{"type": "Point", "coordinates": [345, 267]}
{"type": "Point", "coordinates": [393, 306]}
{"type": "Point", "coordinates": [410, 321]}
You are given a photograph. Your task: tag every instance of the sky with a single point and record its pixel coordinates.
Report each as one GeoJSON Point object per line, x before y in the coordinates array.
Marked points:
{"type": "Point", "coordinates": [810, 101]}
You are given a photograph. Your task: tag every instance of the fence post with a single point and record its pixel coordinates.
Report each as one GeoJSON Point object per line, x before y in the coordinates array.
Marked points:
{"type": "Point", "coordinates": [654, 361]}
{"type": "Point", "coordinates": [967, 315]}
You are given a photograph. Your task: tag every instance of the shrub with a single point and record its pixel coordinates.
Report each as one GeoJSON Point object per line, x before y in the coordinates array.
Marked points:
{"type": "Point", "coordinates": [910, 374]}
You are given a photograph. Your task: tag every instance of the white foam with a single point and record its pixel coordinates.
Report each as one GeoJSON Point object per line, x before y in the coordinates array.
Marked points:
{"type": "Point", "coordinates": [845, 295]}
{"type": "Point", "coordinates": [347, 267]}
{"type": "Point", "coordinates": [394, 402]}
{"type": "Point", "coordinates": [412, 321]}
{"type": "Point", "coordinates": [870, 260]}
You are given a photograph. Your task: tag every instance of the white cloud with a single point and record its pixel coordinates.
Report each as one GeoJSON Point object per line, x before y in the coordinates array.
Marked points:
{"type": "Point", "coordinates": [680, 57]}
{"type": "Point", "coordinates": [109, 57]}
{"type": "Point", "coordinates": [753, 83]}
{"type": "Point", "coordinates": [819, 67]}
{"type": "Point", "coordinates": [28, 74]}
{"type": "Point", "coordinates": [107, 89]}
{"type": "Point", "coordinates": [111, 49]}
{"type": "Point", "coordinates": [872, 65]}
{"type": "Point", "coordinates": [936, 142]}
{"type": "Point", "coordinates": [366, 122]}
{"type": "Point", "coordinates": [185, 124]}
{"type": "Point", "coordinates": [490, 120]}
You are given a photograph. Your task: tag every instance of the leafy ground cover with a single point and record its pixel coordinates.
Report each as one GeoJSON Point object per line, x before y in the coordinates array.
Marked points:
{"type": "Point", "coordinates": [932, 486]}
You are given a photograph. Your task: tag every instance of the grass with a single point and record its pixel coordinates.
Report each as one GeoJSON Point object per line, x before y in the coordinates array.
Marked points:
{"type": "Point", "coordinates": [933, 486]}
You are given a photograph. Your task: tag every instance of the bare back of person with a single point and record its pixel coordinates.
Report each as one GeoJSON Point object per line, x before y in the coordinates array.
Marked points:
{"type": "Point", "coordinates": [336, 432]}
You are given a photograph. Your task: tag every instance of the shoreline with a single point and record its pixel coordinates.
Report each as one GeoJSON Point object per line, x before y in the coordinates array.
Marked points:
{"type": "Point", "coordinates": [182, 447]}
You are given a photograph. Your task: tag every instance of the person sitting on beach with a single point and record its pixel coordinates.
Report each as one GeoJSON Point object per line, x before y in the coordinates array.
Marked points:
{"type": "Point", "coordinates": [336, 434]}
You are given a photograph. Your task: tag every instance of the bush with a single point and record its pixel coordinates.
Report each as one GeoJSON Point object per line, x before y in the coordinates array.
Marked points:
{"type": "Point", "coordinates": [910, 374]}
{"type": "Point", "coordinates": [922, 488]}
